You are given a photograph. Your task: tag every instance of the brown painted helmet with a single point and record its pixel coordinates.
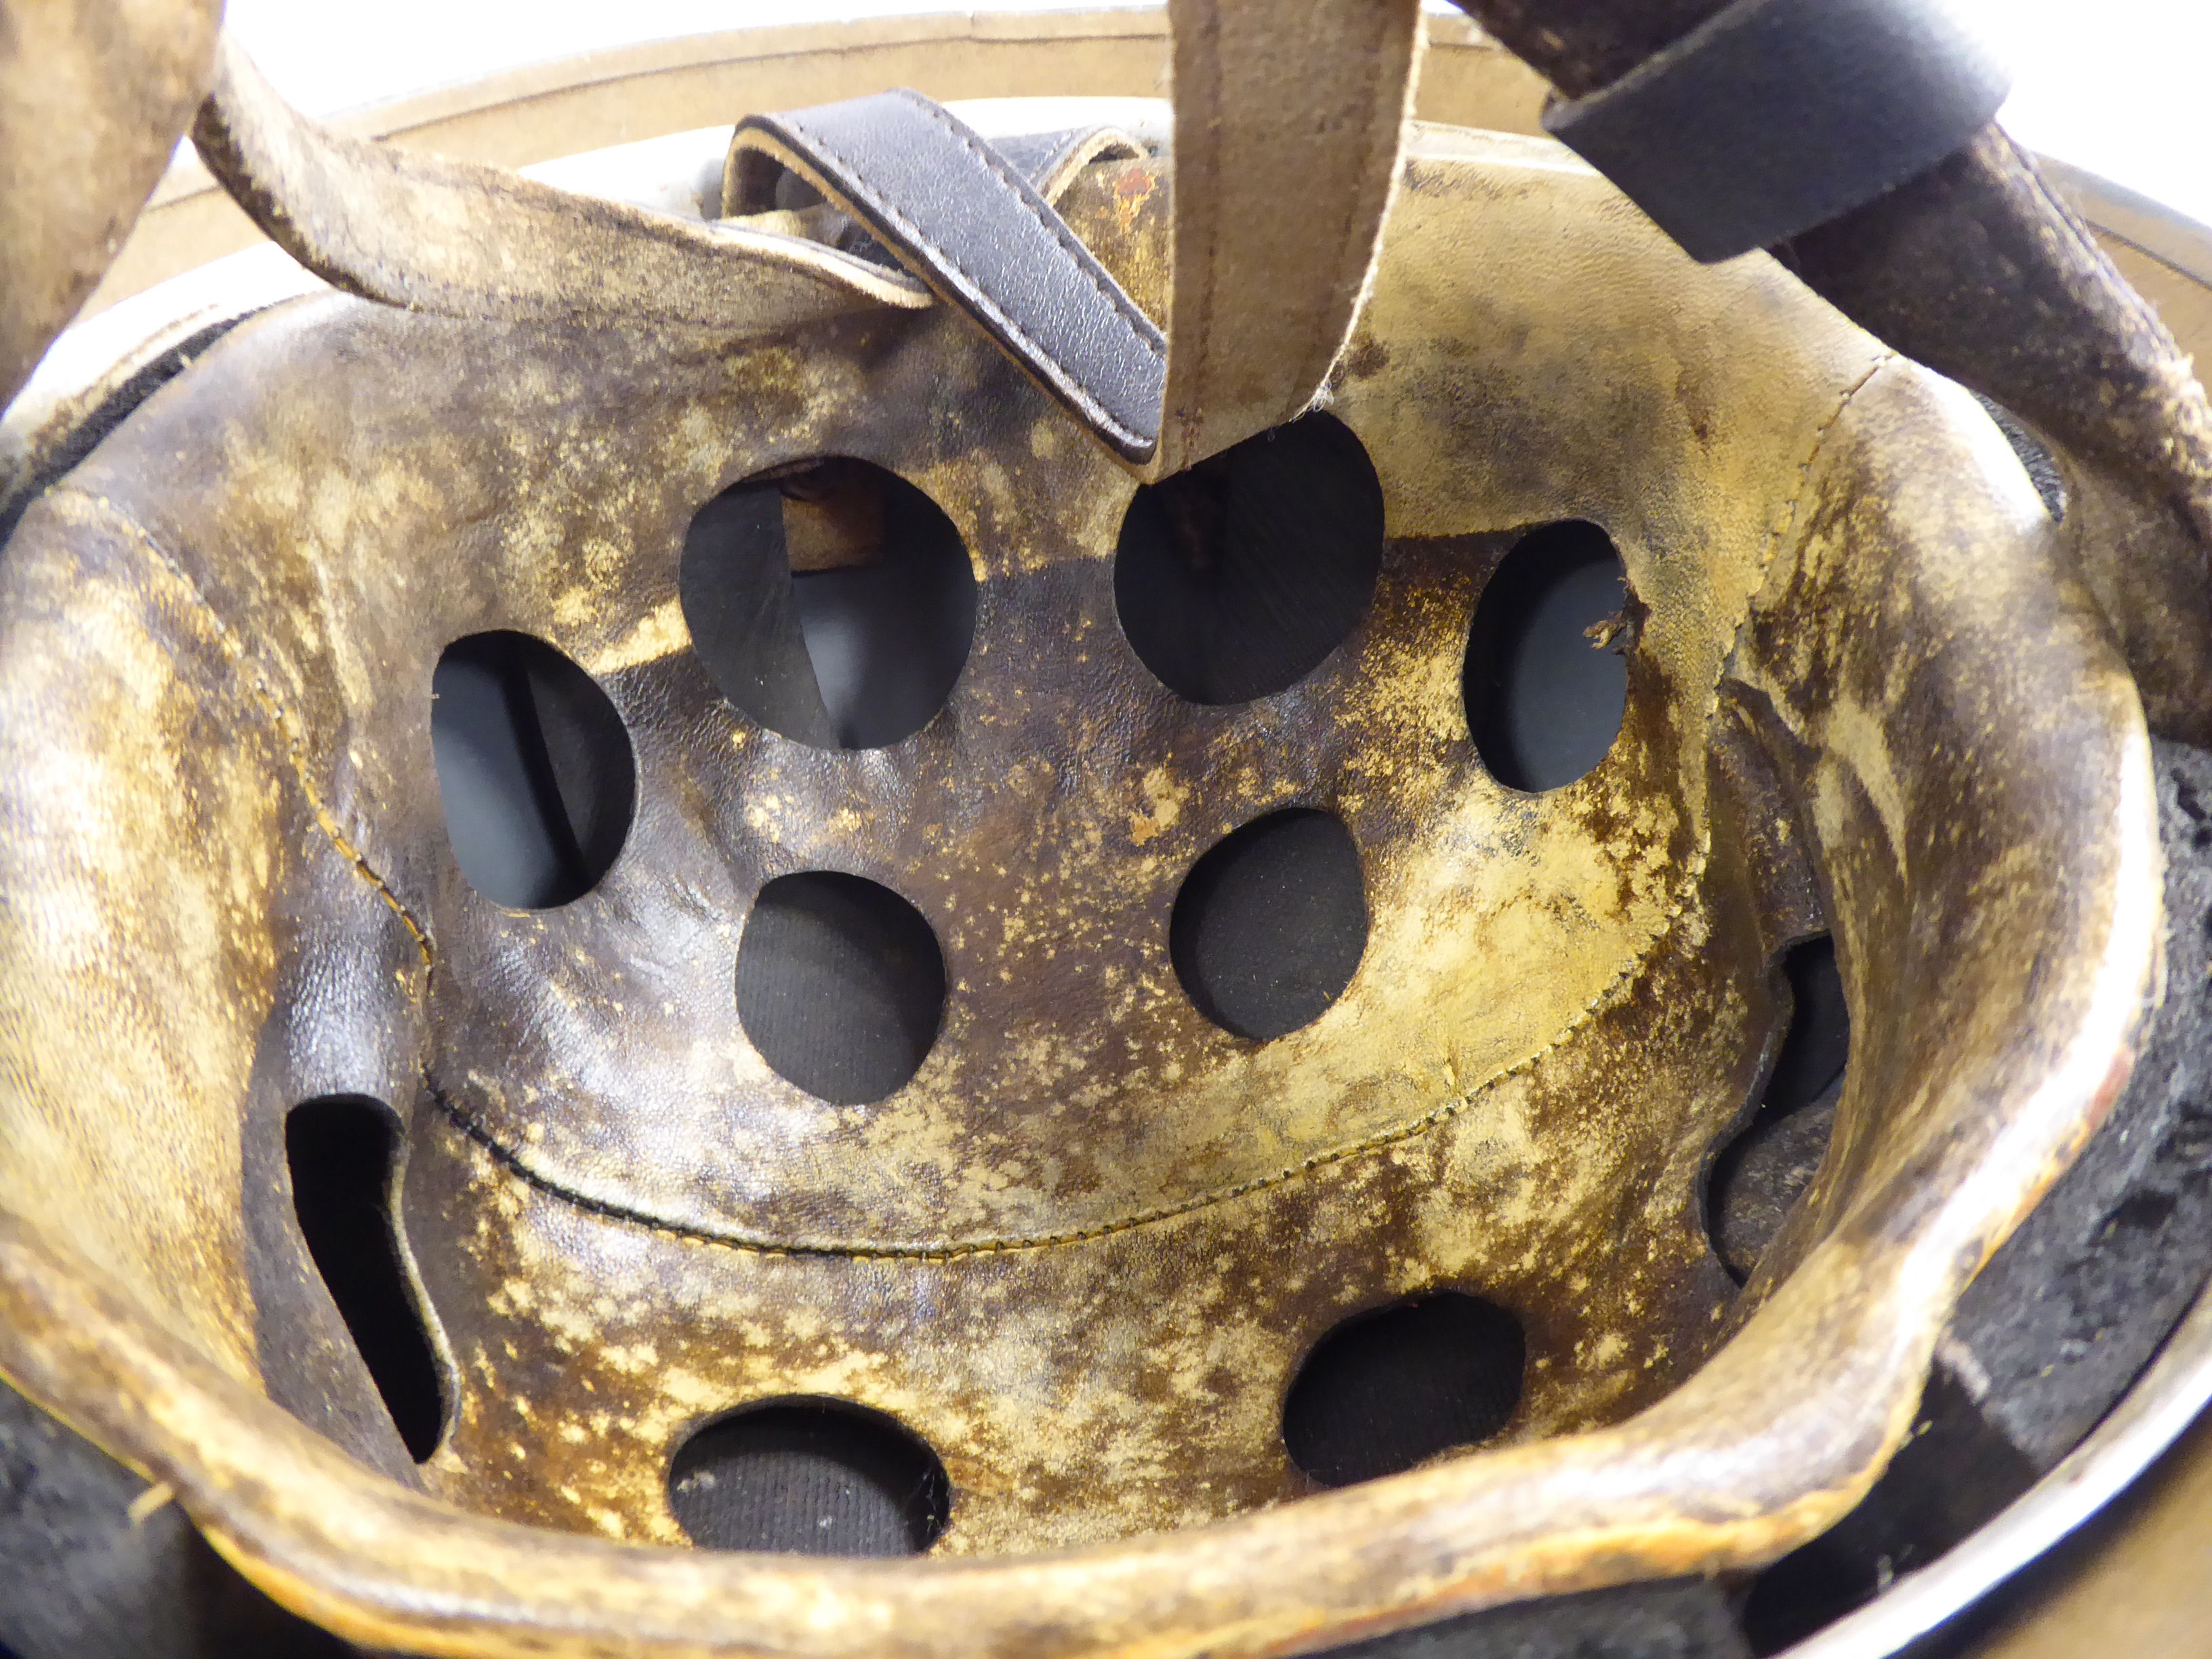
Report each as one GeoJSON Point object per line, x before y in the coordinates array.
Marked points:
{"type": "Point", "coordinates": [1130, 846]}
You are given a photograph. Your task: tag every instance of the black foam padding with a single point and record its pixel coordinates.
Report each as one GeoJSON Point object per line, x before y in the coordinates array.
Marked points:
{"type": "Point", "coordinates": [1774, 116]}
{"type": "Point", "coordinates": [2062, 1319]}
{"type": "Point", "coordinates": [535, 777]}
{"type": "Point", "coordinates": [1390, 1388]}
{"type": "Point", "coordinates": [2078, 1299]}
{"type": "Point", "coordinates": [79, 1580]}
{"type": "Point", "coordinates": [1271, 923]}
{"type": "Point", "coordinates": [1236, 579]}
{"type": "Point", "coordinates": [1953, 1473]}
{"type": "Point", "coordinates": [809, 1477]}
{"type": "Point", "coordinates": [2035, 458]}
{"type": "Point", "coordinates": [840, 985]}
{"type": "Point", "coordinates": [341, 1152]}
{"type": "Point", "coordinates": [1544, 695]}
{"type": "Point", "coordinates": [1673, 1618]}
{"type": "Point", "coordinates": [739, 604]}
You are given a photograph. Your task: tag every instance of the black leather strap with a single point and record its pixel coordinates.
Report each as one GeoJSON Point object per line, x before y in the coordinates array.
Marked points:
{"type": "Point", "coordinates": [1779, 115]}
{"type": "Point", "coordinates": [965, 219]}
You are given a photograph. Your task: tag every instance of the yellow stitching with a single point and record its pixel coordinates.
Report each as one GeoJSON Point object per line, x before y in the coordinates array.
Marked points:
{"type": "Point", "coordinates": [1137, 323]}
{"type": "Point", "coordinates": [257, 682]}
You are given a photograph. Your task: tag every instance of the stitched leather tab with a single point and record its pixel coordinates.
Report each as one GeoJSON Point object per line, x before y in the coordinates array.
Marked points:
{"type": "Point", "coordinates": [965, 220]}
{"type": "Point", "coordinates": [1779, 115]}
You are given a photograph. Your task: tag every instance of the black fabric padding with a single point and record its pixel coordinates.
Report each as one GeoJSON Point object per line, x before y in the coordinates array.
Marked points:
{"type": "Point", "coordinates": [535, 777]}
{"type": "Point", "coordinates": [1544, 696]}
{"type": "Point", "coordinates": [1673, 1618]}
{"type": "Point", "coordinates": [80, 1579]}
{"type": "Point", "coordinates": [735, 587]}
{"type": "Point", "coordinates": [1390, 1388]}
{"type": "Point", "coordinates": [856, 658]}
{"type": "Point", "coordinates": [341, 1152]}
{"type": "Point", "coordinates": [2076, 1303]}
{"type": "Point", "coordinates": [1271, 923]}
{"type": "Point", "coordinates": [1760, 1175]}
{"type": "Point", "coordinates": [2062, 1319]}
{"type": "Point", "coordinates": [1818, 1041]}
{"type": "Point", "coordinates": [1234, 580]}
{"type": "Point", "coordinates": [840, 985]}
{"type": "Point", "coordinates": [809, 1477]}
{"type": "Point", "coordinates": [1775, 115]}
{"type": "Point", "coordinates": [2042, 468]}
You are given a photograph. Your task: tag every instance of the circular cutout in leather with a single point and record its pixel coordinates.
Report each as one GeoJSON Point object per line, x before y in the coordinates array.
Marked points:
{"type": "Point", "coordinates": [1546, 681]}
{"type": "Point", "coordinates": [535, 777]}
{"type": "Point", "coordinates": [1270, 924]}
{"type": "Point", "coordinates": [833, 602]}
{"type": "Point", "coordinates": [840, 985]}
{"type": "Point", "coordinates": [1760, 1175]}
{"type": "Point", "coordinates": [1390, 1388]}
{"type": "Point", "coordinates": [341, 1152]}
{"type": "Point", "coordinates": [1235, 578]}
{"type": "Point", "coordinates": [809, 1477]}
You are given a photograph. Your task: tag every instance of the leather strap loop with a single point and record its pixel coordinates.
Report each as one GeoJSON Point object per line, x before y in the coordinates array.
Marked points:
{"type": "Point", "coordinates": [965, 220]}
{"type": "Point", "coordinates": [1774, 116]}
{"type": "Point", "coordinates": [1288, 115]}
{"type": "Point", "coordinates": [462, 240]}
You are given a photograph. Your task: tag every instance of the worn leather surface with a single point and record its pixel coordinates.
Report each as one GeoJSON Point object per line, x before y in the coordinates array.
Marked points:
{"type": "Point", "coordinates": [1271, 98]}
{"type": "Point", "coordinates": [462, 238]}
{"type": "Point", "coordinates": [1082, 1253]}
{"type": "Point", "coordinates": [93, 96]}
{"type": "Point", "coordinates": [1774, 115]}
{"type": "Point", "coordinates": [1975, 268]}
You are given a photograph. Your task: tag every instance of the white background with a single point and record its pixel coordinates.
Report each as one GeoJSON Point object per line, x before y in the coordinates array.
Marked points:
{"type": "Point", "coordinates": [2123, 88]}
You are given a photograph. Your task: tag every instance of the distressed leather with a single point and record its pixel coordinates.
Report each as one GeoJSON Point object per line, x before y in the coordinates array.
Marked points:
{"type": "Point", "coordinates": [93, 94]}
{"type": "Point", "coordinates": [1083, 1252]}
{"type": "Point", "coordinates": [1275, 100]}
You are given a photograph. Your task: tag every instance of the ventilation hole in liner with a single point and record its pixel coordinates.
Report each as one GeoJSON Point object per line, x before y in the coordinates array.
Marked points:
{"type": "Point", "coordinates": [1234, 580]}
{"type": "Point", "coordinates": [809, 1477]}
{"type": "Point", "coordinates": [833, 602]}
{"type": "Point", "coordinates": [840, 985]}
{"type": "Point", "coordinates": [1387, 1389]}
{"type": "Point", "coordinates": [1764, 1171]}
{"type": "Point", "coordinates": [1547, 676]}
{"type": "Point", "coordinates": [343, 1151]}
{"type": "Point", "coordinates": [1271, 924]}
{"type": "Point", "coordinates": [535, 772]}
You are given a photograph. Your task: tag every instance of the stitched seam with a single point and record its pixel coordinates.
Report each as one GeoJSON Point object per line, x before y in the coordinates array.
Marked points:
{"type": "Point", "coordinates": [281, 723]}
{"type": "Point", "coordinates": [988, 303]}
{"type": "Point", "coordinates": [764, 1244]}
{"type": "Point", "coordinates": [1139, 326]}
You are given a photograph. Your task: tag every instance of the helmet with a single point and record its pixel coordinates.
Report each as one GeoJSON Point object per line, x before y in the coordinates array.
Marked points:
{"type": "Point", "coordinates": [764, 872]}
